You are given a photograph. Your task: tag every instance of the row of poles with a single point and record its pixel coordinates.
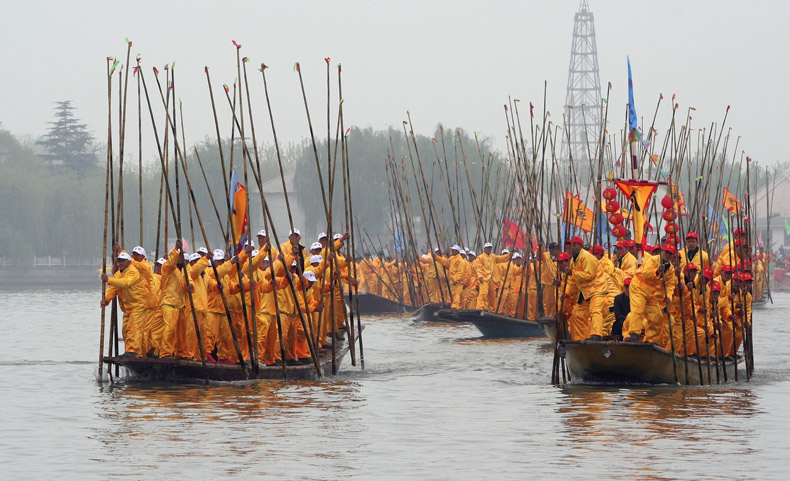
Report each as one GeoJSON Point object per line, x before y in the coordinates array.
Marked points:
{"type": "Point", "coordinates": [337, 157]}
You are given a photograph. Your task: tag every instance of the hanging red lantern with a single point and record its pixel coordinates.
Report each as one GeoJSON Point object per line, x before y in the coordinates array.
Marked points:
{"type": "Point", "coordinates": [666, 202]}
{"type": "Point", "coordinates": [672, 240]}
{"type": "Point", "coordinates": [612, 206]}
{"type": "Point", "coordinates": [616, 218]}
{"type": "Point", "coordinates": [669, 215]}
{"type": "Point", "coordinates": [618, 231]}
{"type": "Point", "coordinates": [671, 228]}
{"type": "Point", "coordinates": [609, 193]}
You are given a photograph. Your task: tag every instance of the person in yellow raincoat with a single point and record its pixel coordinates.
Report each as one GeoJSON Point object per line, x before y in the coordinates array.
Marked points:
{"type": "Point", "coordinates": [548, 272]}
{"type": "Point", "coordinates": [628, 263]}
{"type": "Point", "coordinates": [456, 268]}
{"type": "Point", "coordinates": [187, 338]}
{"type": "Point", "coordinates": [591, 281]}
{"type": "Point", "coordinates": [692, 252]}
{"type": "Point", "coordinates": [173, 300]}
{"type": "Point", "coordinates": [471, 285]}
{"type": "Point", "coordinates": [511, 286]}
{"type": "Point", "coordinates": [132, 294]}
{"type": "Point", "coordinates": [484, 271]}
{"type": "Point", "coordinates": [612, 288]}
{"type": "Point", "coordinates": [649, 298]}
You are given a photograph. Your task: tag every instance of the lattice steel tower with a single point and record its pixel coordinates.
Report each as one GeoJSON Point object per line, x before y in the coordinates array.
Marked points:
{"type": "Point", "coordinates": [584, 90]}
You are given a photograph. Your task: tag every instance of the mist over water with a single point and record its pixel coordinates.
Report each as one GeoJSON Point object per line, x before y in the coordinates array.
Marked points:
{"type": "Point", "coordinates": [434, 402]}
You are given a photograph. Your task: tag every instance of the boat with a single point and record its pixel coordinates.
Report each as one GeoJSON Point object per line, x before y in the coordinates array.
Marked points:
{"type": "Point", "coordinates": [493, 325]}
{"type": "Point", "coordinates": [372, 304]}
{"type": "Point", "coordinates": [759, 305]}
{"type": "Point", "coordinates": [430, 313]}
{"type": "Point", "coordinates": [549, 326]}
{"type": "Point", "coordinates": [190, 371]}
{"type": "Point", "coordinates": [630, 363]}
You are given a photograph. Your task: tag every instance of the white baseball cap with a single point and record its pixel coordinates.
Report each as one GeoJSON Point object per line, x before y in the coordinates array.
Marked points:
{"type": "Point", "coordinates": [310, 276]}
{"type": "Point", "coordinates": [294, 264]}
{"type": "Point", "coordinates": [425, 256]}
{"type": "Point", "coordinates": [219, 256]}
{"type": "Point", "coordinates": [262, 233]}
{"type": "Point", "coordinates": [505, 251]}
{"type": "Point", "coordinates": [295, 231]}
{"type": "Point", "coordinates": [456, 247]}
{"type": "Point", "coordinates": [322, 235]}
{"type": "Point", "coordinates": [194, 257]}
{"type": "Point", "coordinates": [161, 260]}
{"type": "Point", "coordinates": [254, 253]}
{"type": "Point", "coordinates": [337, 236]}
{"type": "Point", "coordinates": [316, 245]}
{"type": "Point", "coordinates": [516, 256]}
{"type": "Point", "coordinates": [219, 252]}
{"type": "Point", "coordinates": [124, 256]}
{"type": "Point", "coordinates": [139, 250]}
{"type": "Point", "coordinates": [471, 253]}
{"type": "Point", "coordinates": [202, 250]}
{"type": "Point", "coordinates": [487, 245]}
{"type": "Point", "coordinates": [316, 259]}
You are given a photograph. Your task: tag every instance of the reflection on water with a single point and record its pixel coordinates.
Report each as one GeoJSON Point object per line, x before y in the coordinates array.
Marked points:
{"type": "Point", "coordinates": [434, 402]}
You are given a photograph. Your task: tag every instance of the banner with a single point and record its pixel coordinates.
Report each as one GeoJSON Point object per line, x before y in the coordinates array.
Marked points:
{"type": "Point", "coordinates": [238, 209]}
{"type": "Point", "coordinates": [639, 193]}
{"type": "Point", "coordinates": [576, 213]}
{"type": "Point", "coordinates": [730, 202]}
{"type": "Point", "coordinates": [512, 235]}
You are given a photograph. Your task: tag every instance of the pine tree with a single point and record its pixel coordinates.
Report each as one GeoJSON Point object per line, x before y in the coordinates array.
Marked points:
{"type": "Point", "coordinates": [68, 144]}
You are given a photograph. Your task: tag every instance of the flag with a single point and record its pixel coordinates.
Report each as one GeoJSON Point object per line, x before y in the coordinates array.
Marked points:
{"type": "Point", "coordinates": [679, 200]}
{"type": "Point", "coordinates": [639, 193]}
{"type": "Point", "coordinates": [760, 239]}
{"type": "Point", "coordinates": [633, 120]}
{"type": "Point", "coordinates": [512, 235]}
{"type": "Point", "coordinates": [576, 213]}
{"type": "Point", "coordinates": [400, 244]}
{"type": "Point", "coordinates": [238, 209]}
{"type": "Point", "coordinates": [730, 202]}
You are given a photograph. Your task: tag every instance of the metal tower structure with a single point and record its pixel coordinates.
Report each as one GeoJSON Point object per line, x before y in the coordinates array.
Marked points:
{"type": "Point", "coordinates": [583, 96]}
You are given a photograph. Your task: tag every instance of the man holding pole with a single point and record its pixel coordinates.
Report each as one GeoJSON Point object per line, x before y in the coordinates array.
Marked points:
{"type": "Point", "coordinates": [590, 280]}
{"type": "Point", "coordinates": [133, 295]}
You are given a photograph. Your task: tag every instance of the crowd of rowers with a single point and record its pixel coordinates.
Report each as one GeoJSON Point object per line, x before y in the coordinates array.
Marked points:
{"type": "Point", "coordinates": [596, 293]}
{"type": "Point", "coordinates": [158, 318]}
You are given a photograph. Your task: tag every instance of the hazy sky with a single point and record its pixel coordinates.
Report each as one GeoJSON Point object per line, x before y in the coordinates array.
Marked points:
{"type": "Point", "coordinates": [453, 62]}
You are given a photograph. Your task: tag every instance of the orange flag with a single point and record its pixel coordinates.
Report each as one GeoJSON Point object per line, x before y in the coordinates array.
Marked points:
{"type": "Point", "coordinates": [576, 213]}
{"type": "Point", "coordinates": [730, 202]}
{"type": "Point", "coordinates": [639, 193]}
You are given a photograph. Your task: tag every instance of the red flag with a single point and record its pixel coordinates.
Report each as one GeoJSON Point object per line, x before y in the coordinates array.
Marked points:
{"type": "Point", "coordinates": [512, 235]}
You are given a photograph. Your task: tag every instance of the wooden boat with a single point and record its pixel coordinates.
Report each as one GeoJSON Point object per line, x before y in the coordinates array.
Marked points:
{"type": "Point", "coordinates": [627, 363]}
{"type": "Point", "coordinates": [191, 371]}
{"type": "Point", "coordinates": [371, 304]}
{"type": "Point", "coordinates": [430, 313]}
{"type": "Point", "coordinates": [549, 326]}
{"type": "Point", "coordinates": [493, 325]}
{"type": "Point", "coordinates": [759, 305]}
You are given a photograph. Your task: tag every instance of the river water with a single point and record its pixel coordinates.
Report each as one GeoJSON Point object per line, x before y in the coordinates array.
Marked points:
{"type": "Point", "coordinates": [434, 402]}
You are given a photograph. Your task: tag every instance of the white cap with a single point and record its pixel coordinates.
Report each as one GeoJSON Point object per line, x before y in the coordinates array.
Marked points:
{"type": "Point", "coordinates": [310, 276]}
{"type": "Point", "coordinates": [219, 252]}
{"type": "Point", "coordinates": [161, 260]}
{"type": "Point", "coordinates": [295, 231]}
{"type": "Point", "coordinates": [139, 250]}
{"type": "Point", "coordinates": [516, 256]}
{"type": "Point", "coordinates": [124, 256]}
{"type": "Point", "coordinates": [254, 253]}
{"type": "Point", "coordinates": [437, 250]}
{"type": "Point", "coordinates": [262, 233]}
{"type": "Point", "coordinates": [251, 243]}
{"type": "Point", "coordinates": [218, 255]}
{"type": "Point", "coordinates": [456, 247]}
{"type": "Point", "coordinates": [487, 245]}
{"type": "Point", "coordinates": [466, 249]}
{"type": "Point", "coordinates": [202, 250]}
{"type": "Point", "coordinates": [314, 259]}
{"type": "Point", "coordinates": [266, 259]}
{"type": "Point", "coordinates": [337, 236]}
{"type": "Point", "coordinates": [316, 245]}
{"type": "Point", "coordinates": [505, 251]}
{"type": "Point", "coordinates": [425, 256]}
{"type": "Point", "coordinates": [471, 253]}
{"type": "Point", "coordinates": [294, 264]}
{"type": "Point", "coordinates": [194, 257]}
{"type": "Point", "coordinates": [322, 235]}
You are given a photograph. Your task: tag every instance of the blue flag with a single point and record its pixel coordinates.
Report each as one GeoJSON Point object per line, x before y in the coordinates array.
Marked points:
{"type": "Point", "coordinates": [633, 121]}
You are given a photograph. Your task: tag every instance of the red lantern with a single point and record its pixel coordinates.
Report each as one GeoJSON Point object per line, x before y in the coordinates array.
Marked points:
{"type": "Point", "coordinates": [666, 202]}
{"type": "Point", "coordinates": [609, 193]}
{"type": "Point", "coordinates": [672, 240]}
{"type": "Point", "coordinates": [669, 215]}
{"type": "Point", "coordinates": [612, 206]}
{"type": "Point", "coordinates": [618, 231]}
{"type": "Point", "coordinates": [616, 218]}
{"type": "Point", "coordinates": [671, 228]}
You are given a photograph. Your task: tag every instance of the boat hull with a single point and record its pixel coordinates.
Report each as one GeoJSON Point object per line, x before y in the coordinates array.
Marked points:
{"type": "Point", "coordinates": [431, 313]}
{"type": "Point", "coordinates": [493, 325]}
{"type": "Point", "coordinates": [190, 371]}
{"type": "Point", "coordinates": [549, 326]}
{"type": "Point", "coordinates": [371, 305]}
{"type": "Point", "coordinates": [626, 363]}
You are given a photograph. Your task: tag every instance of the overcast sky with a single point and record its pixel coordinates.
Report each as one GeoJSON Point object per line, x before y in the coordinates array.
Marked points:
{"type": "Point", "coordinates": [453, 62]}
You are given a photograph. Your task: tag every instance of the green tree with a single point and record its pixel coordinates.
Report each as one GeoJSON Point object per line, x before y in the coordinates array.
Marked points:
{"type": "Point", "coordinates": [68, 144]}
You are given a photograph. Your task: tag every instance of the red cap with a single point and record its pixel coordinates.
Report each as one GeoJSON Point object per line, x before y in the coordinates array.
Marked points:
{"type": "Point", "coordinates": [726, 268]}
{"type": "Point", "coordinates": [620, 243]}
{"type": "Point", "coordinates": [627, 281]}
{"type": "Point", "coordinates": [716, 286]}
{"type": "Point", "coordinates": [564, 256]}
{"type": "Point", "coordinates": [692, 267]}
{"type": "Point", "coordinates": [670, 248]}
{"type": "Point", "coordinates": [598, 250]}
{"type": "Point", "coordinates": [692, 235]}
{"type": "Point", "coordinates": [707, 272]}
{"type": "Point", "coordinates": [649, 248]}
{"type": "Point", "coordinates": [630, 243]}
{"type": "Point", "coordinates": [745, 276]}
{"type": "Point", "coordinates": [576, 240]}
{"type": "Point", "coordinates": [739, 232]}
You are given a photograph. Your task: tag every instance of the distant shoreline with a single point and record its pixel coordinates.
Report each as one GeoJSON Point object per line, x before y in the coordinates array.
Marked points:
{"type": "Point", "coordinates": [68, 276]}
